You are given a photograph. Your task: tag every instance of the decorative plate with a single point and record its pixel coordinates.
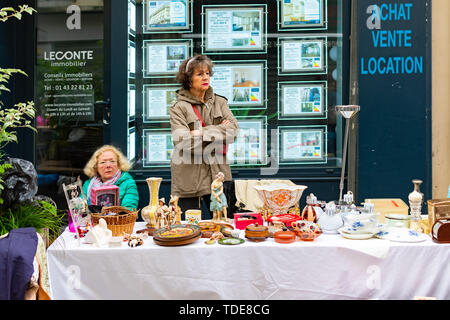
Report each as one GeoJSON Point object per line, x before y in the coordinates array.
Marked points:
{"type": "Point", "coordinates": [231, 241]}
{"type": "Point", "coordinates": [176, 242]}
{"type": "Point", "coordinates": [355, 236]}
{"type": "Point", "coordinates": [177, 232]}
{"type": "Point", "coordinates": [402, 235]}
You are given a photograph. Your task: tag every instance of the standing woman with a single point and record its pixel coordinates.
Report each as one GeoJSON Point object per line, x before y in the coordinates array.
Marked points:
{"type": "Point", "coordinates": [108, 166]}
{"type": "Point", "coordinates": [202, 126]}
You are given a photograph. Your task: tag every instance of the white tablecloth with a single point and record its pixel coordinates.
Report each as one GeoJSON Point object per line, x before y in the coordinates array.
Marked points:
{"type": "Point", "coordinates": [331, 267]}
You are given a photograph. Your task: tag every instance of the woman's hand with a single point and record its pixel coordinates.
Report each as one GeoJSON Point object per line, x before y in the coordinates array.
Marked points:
{"type": "Point", "coordinates": [196, 133]}
{"type": "Point", "coordinates": [226, 121]}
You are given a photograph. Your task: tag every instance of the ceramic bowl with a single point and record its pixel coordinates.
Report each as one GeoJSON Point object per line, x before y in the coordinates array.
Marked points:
{"type": "Point", "coordinates": [360, 222]}
{"type": "Point", "coordinates": [308, 235]}
{"type": "Point", "coordinates": [280, 197]}
{"type": "Point", "coordinates": [397, 220]}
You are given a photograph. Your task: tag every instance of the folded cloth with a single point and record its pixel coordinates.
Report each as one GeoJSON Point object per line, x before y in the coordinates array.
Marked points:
{"type": "Point", "coordinates": [247, 194]}
{"type": "Point", "coordinates": [378, 248]}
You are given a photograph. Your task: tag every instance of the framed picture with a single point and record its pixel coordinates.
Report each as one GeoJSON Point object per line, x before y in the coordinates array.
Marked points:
{"type": "Point", "coordinates": [157, 102]}
{"type": "Point", "coordinates": [243, 84]}
{"type": "Point", "coordinates": [162, 58]}
{"type": "Point", "coordinates": [302, 14]}
{"type": "Point", "coordinates": [249, 148]}
{"type": "Point", "coordinates": [105, 196]}
{"type": "Point", "coordinates": [131, 141]}
{"type": "Point", "coordinates": [302, 144]}
{"type": "Point", "coordinates": [302, 56]}
{"type": "Point", "coordinates": [131, 59]}
{"type": "Point", "coordinates": [78, 208]}
{"type": "Point", "coordinates": [167, 16]}
{"type": "Point", "coordinates": [232, 28]}
{"type": "Point", "coordinates": [158, 148]}
{"type": "Point", "coordinates": [302, 100]}
{"type": "Point", "coordinates": [131, 102]}
{"type": "Point", "coordinates": [132, 17]}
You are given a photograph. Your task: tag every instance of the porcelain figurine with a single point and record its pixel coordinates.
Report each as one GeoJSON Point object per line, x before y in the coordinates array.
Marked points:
{"type": "Point", "coordinates": [175, 208]}
{"type": "Point", "coordinates": [99, 235]}
{"type": "Point", "coordinates": [330, 221]}
{"type": "Point", "coordinates": [162, 214]}
{"type": "Point", "coordinates": [218, 200]}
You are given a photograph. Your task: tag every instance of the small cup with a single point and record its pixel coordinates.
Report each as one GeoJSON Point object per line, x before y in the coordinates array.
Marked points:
{"type": "Point", "coordinates": [193, 216]}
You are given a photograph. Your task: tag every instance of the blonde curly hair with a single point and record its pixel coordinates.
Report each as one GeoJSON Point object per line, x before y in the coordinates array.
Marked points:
{"type": "Point", "coordinates": [91, 167]}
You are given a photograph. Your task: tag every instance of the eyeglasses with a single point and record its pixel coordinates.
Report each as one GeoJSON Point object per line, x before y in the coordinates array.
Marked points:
{"type": "Point", "coordinates": [104, 163]}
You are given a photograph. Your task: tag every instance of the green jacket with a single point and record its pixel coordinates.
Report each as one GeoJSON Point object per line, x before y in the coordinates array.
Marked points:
{"type": "Point", "coordinates": [128, 192]}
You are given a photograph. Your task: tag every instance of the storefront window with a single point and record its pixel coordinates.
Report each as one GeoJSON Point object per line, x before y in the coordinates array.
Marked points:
{"type": "Point", "coordinates": [69, 81]}
{"type": "Point", "coordinates": [281, 65]}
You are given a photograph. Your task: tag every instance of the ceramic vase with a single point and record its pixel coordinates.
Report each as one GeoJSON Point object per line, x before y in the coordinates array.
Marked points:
{"type": "Point", "coordinates": [149, 212]}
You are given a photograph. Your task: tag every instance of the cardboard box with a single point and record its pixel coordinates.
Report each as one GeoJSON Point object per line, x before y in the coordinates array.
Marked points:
{"type": "Point", "coordinates": [438, 209]}
{"type": "Point", "coordinates": [107, 196]}
{"type": "Point", "coordinates": [242, 220]}
{"type": "Point", "coordinates": [386, 206]}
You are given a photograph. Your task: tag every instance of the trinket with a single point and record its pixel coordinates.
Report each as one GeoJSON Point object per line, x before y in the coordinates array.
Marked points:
{"type": "Point", "coordinates": [135, 241]}
{"type": "Point", "coordinates": [330, 221]}
{"type": "Point", "coordinates": [219, 203]}
{"type": "Point", "coordinates": [257, 233]}
{"type": "Point", "coordinates": [415, 203]}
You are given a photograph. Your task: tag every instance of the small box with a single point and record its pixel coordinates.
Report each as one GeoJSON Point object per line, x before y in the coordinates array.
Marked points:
{"type": "Point", "coordinates": [106, 196]}
{"type": "Point", "coordinates": [242, 220]}
{"type": "Point", "coordinates": [438, 209]}
{"type": "Point", "coordinates": [386, 206]}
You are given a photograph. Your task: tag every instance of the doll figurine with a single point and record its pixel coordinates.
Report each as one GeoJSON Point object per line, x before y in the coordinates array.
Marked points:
{"type": "Point", "coordinates": [218, 200]}
{"type": "Point", "coordinates": [175, 208]}
{"type": "Point", "coordinates": [162, 214]}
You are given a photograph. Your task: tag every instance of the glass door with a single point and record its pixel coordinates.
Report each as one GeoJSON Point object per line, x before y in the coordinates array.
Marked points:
{"type": "Point", "coordinates": [69, 96]}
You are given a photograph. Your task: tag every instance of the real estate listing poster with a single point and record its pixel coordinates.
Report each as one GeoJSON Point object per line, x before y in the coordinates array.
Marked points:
{"type": "Point", "coordinates": [302, 13]}
{"type": "Point", "coordinates": [302, 56]}
{"type": "Point", "coordinates": [157, 102]}
{"type": "Point", "coordinates": [241, 84]}
{"type": "Point", "coordinates": [164, 15]}
{"type": "Point", "coordinates": [234, 29]}
{"type": "Point", "coordinates": [301, 144]}
{"type": "Point", "coordinates": [302, 100]}
{"type": "Point", "coordinates": [164, 58]}
{"type": "Point", "coordinates": [249, 146]}
{"type": "Point", "coordinates": [158, 147]}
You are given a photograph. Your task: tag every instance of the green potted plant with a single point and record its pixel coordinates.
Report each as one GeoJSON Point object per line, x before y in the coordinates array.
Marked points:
{"type": "Point", "coordinates": [32, 211]}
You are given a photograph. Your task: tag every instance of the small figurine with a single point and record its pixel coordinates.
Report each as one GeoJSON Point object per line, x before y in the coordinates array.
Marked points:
{"type": "Point", "coordinates": [162, 214]}
{"type": "Point", "coordinates": [173, 206]}
{"type": "Point", "coordinates": [218, 200]}
{"type": "Point", "coordinates": [135, 241]}
{"type": "Point", "coordinates": [99, 235]}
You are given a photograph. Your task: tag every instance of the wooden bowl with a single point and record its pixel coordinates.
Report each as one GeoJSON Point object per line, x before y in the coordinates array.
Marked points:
{"type": "Point", "coordinates": [285, 236]}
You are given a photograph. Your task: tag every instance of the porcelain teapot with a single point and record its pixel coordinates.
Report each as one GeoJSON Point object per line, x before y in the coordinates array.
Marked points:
{"type": "Point", "coordinates": [330, 221]}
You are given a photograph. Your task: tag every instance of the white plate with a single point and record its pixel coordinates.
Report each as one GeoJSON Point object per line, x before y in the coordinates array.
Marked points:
{"type": "Point", "coordinates": [401, 235]}
{"type": "Point", "coordinates": [356, 236]}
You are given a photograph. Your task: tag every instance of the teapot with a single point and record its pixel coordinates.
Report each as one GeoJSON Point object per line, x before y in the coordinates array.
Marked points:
{"type": "Point", "coordinates": [330, 221]}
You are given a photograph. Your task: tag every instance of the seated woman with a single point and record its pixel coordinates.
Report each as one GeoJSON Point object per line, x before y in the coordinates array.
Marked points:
{"type": "Point", "coordinates": [108, 166]}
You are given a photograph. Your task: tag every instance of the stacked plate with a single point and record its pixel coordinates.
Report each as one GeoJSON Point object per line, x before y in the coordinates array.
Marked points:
{"type": "Point", "coordinates": [177, 235]}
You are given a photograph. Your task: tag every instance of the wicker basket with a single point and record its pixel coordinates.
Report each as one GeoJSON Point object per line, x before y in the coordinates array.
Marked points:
{"type": "Point", "coordinates": [117, 224]}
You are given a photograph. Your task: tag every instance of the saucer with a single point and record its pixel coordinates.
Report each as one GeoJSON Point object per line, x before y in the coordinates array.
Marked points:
{"type": "Point", "coordinates": [355, 236]}
{"type": "Point", "coordinates": [401, 235]}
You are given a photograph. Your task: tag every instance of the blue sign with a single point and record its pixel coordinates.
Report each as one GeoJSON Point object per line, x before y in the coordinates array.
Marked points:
{"type": "Point", "coordinates": [394, 60]}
